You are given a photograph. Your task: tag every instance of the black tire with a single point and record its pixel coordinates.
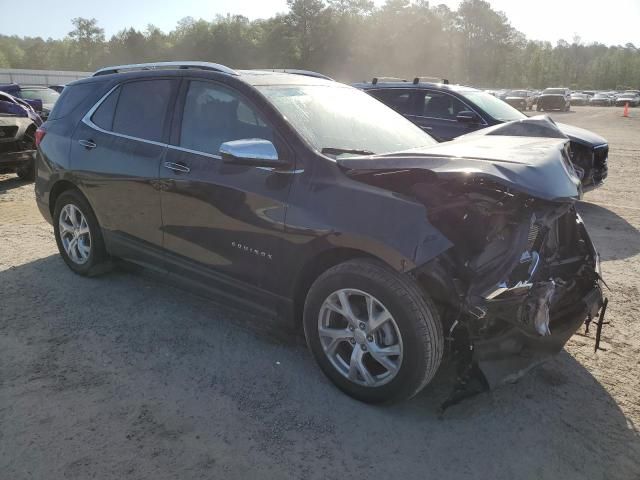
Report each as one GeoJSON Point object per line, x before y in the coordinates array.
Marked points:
{"type": "Point", "coordinates": [98, 260]}
{"type": "Point", "coordinates": [413, 311]}
{"type": "Point", "coordinates": [27, 173]}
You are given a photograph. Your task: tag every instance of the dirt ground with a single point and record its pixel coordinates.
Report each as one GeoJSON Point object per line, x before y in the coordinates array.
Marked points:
{"type": "Point", "coordinates": [123, 376]}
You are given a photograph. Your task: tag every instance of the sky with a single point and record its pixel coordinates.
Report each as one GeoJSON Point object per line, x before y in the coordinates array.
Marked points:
{"type": "Point", "coordinates": [614, 22]}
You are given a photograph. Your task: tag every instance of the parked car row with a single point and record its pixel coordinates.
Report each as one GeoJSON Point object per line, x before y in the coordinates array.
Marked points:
{"type": "Point", "coordinates": [22, 110]}
{"type": "Point", "coordinates": [18, 124]}
{"type": "Point", "coordinates": [40, 98]}
{"type": "Point", "coordinates": [305, 199]}
{"type": "Point", "coordinates": [525, 99]}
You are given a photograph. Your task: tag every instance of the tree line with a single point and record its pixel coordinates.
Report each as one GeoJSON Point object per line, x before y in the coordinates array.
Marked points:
{"type": "Point", "coordinates": [350, 40]}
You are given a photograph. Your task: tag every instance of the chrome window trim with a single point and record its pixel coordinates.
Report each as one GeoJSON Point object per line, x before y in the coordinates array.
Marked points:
{"type": "Point", "coordinates": [197, 152]}
{"type": "Point", "coordinates": [87, 121]}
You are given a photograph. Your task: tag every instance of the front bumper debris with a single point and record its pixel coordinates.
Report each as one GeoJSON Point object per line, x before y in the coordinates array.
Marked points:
{"type": "Point", "coordinates": [509, 356]}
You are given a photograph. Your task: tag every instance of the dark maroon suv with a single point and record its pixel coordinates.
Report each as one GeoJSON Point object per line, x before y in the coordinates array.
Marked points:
{"type": "Point", "coordinates": [308, 200]}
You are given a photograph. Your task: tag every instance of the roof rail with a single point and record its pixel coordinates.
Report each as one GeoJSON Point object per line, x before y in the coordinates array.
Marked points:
{"type": "Point", "coordinates": [166, 65]}
{"type": "Point", "coordinates": [424, 78]}
{"type": "Point", "coordinates": [377, 80]}
{"type": "Point", "coordinates": [295, 71]}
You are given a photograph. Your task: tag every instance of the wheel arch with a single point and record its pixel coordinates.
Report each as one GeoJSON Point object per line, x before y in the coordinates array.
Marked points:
{"type": "Point", "coordinates": [58, 189]}
{"type": "Point", "coordinates": [315, 267]}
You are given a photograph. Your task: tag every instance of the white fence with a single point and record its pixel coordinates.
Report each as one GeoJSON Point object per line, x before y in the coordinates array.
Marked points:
{"type": "Point", "coordinates": [39, 77]}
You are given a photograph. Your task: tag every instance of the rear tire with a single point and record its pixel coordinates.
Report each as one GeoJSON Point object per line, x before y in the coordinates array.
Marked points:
{"type": "Point", "coordinates": [78, 235]}
{"type": "Point", "coordinates": [412, 328]}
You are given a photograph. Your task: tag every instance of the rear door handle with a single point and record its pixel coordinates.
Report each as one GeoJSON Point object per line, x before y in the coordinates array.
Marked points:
{"type": "Point", "coordinates": [177, 167]}
{"type": "Point", "coordinates": [88, 144]}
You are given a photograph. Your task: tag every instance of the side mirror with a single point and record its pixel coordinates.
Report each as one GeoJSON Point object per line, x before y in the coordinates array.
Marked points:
{"type": "Point", "coordinates": [253, 152]}
{"type": "Point", "coordinates": [467, 116]}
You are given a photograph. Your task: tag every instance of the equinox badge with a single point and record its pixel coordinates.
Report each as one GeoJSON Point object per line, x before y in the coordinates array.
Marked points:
{"type": "Point", "coordinates": [247, 249]}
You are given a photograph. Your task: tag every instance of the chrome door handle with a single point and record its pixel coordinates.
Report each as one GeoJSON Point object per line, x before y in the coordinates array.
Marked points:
{"type": "Point", "coordinates": [88, 144]}
{"type": "Point", "coordinates": [177, 167]}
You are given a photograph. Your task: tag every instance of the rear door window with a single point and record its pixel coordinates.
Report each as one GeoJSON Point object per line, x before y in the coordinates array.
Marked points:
{"type": "Point", "coordinates": [142, 108]}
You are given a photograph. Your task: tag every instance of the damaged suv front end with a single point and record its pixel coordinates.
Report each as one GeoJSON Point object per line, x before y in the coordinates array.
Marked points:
{"type": "Point", "coordinates": [522, 274]}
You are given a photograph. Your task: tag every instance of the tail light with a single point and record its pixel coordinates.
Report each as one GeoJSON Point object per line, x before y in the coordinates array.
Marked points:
{"type": "Point", "coordinates": [40, 133]}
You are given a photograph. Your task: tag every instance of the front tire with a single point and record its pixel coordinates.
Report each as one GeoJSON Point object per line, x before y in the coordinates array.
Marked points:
{"type": "Point", "coordinates": [78, 235]}
{"type": "Point", "coordinates": [373, 331]}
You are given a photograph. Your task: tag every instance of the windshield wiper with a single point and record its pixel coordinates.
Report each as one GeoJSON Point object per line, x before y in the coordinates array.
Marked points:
{"type": "Point", "coordinates": [340, 151]}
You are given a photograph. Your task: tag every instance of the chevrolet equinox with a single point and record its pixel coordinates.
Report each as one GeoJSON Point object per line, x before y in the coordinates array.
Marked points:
{"type": "Point", "coordinates": [308, 200]}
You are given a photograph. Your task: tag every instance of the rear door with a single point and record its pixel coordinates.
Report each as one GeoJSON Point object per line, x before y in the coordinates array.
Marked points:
{"type": "Point", "coordinates": [222, 221]}
{"type": "Point", "coordinates": [116, 153]}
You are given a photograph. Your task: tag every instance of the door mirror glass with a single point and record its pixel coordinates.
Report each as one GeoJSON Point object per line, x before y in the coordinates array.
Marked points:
{"type": "Point", "coordinates": [255, 152]}
{"type": "Point", "coordinates": [467, 116]}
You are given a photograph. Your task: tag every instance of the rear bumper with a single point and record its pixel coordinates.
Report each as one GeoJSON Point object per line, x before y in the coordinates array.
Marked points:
{"type": "Point", "coordinates": [12, 160]}
{"type": "Point", "coordinates": [552, 103]}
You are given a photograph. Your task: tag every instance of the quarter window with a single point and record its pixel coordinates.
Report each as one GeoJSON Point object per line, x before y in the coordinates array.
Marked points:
{"type": "Point", "coordinates": [103, 116]}
{"type": "Point", "coordinates": [214, 114]}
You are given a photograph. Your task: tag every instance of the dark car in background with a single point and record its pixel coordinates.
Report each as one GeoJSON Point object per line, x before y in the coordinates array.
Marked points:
{"type": "Point", "coordinates": [579, 99]}
{"type": "Point", "coordinates": [601, 100]}
{"type": "Point", "coordinates": [57, 88]}
{"type": "Point", "coordinates": [42, 99]}
{"type": "Point", "coordinates": [306, 199]}
{"type": "Point", "coordinates": [449, 111]}
{"type": "Point", "coordinates": [18, 123]}
{"type": "Point", "coordinates": [520, 99]}
{"type": "Point", "coordinates": [631, 98]}
{"type": "Point", "coordinates": [554, 99]}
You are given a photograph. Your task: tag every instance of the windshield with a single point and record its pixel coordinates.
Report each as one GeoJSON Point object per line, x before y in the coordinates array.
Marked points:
{"type": "Point", "coordinates": [601, 95]}
{"type": "Point", "coordinates": [45, 94]}
{"type": "Point", "coordinates": [335, 119]}
{"type": "Point", "coordinates": [518, 93]}
{"type": "Point", "coordinates": [578, 95]}
{"type": "Point", "coordinates": [554, 91]}
{"type": "Point", "coordinates": [493, 106]}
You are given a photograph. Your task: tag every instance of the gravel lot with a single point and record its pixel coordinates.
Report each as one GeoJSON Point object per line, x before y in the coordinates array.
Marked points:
{"type": "Point", "coordinates": [123, 376]}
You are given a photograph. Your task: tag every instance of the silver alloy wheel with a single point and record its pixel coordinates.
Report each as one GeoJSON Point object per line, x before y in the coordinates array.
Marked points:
{"type": "Point", "coordinates": [360, 337]}
{"type": "Point", "coordinates": [75, 234]}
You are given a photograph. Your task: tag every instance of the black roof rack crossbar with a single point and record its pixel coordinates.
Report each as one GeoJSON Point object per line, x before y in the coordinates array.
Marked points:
{"type": "Point", "coordinates": [428, 79]}
{"type": "Point", "coordinates": [215, 67]}
{"type": "Point", "coordinates": [377, 80]}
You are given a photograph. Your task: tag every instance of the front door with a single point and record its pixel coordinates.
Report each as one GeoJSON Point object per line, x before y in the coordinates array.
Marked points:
{"type": "Point", "coordinates": [436, 113]}
{"type": "Point", "coordinates": [221, 220]}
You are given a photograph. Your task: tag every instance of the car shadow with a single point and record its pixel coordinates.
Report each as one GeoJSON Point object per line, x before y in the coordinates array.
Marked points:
{"type": "Point", "coordinates": [614, 237]}
{"type": "Point", "coordinates": [9, 182]}
{"type": "Point", "coordinates": [124, 361]}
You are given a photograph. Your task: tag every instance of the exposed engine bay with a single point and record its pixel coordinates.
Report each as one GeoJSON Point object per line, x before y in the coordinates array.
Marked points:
{"type": "Point", "coordinates": [522, 274]}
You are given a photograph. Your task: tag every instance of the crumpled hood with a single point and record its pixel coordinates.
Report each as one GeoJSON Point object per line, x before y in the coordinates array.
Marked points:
{"type": "Point", "coordinates": [582, 136]}
{"type": "Point", "coordinates": [536, 165]}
